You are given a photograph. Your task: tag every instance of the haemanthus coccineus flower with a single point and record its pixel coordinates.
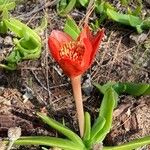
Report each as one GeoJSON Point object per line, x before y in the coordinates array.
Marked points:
{"type": "Point", "coordinates": [74, 56]}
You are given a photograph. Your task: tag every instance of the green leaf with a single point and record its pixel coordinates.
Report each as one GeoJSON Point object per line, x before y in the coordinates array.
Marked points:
{"type": "Point", "coordinates": [136, 89]}
{"type": "Point", "coordinates": [106, 111]}
{"type": "Point", "coordinates": [28, 47]}
{"type": "Point", "coordinates": [146, 24]}
{"type": "Point", "coordinates": [47, 141]}
{"type": "Point", "coordinates": [130, 145]}
{"type": "Point", "coordinates": [98, 125]}
{"type": "Point", "coordinates": [3, 27]}
{"type": "Point", "coordinates": [126, 19]}
{"type": "Point", "coordinates": [83, 2]}
{"type": "Point", "coordinates": [63, 8]}
{"type": "Point", "coordinates": [61, 128]}
{"type": "Point", "coordinates": [8, 5]}
{"type": "Point", "coordinates": [87, 127]}
{"type": "Point", "coordinates": [14, 57]}
{"type": "Point", "coordinates": [71, 28]}
{"type": "Point", "coordinates": [18, 28]}
{"type": "Point", "coordinates": [104, 88]}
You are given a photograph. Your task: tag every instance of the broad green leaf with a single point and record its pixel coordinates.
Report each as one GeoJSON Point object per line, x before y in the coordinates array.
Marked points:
{"type": "Point", "coordinates": [136, 89]}
{"type": "Point", "coordinates": [87, 127]}
{"type": "Point", "coordinates": [130, 145]}
{"type": "Point", "coordinates": [64, 8]}
{"type": "Point", "coordinates": [61, 128]}
{"type": "Point", "coordinates": [121, 18]}
{"type": "Point", "coordinates": [134, 21]}
{"type": "Point", "coordinates": [48, 141]}
{"type": "Point", "coordinates": [18, 28]}
{"type": "Point", "coordinates": [126, 19]}
{"type": "Point", "coordinates": [28, 47]}
{"type": "Point", "coordinates": [106, 111]}
{"type": "Point", "coordinates": [98, 125]}
{"type": "Point", "coordinates": [71, 28]}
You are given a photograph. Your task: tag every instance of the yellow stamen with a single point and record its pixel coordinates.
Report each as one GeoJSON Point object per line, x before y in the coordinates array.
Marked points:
{"type": "Point", "coordinates": [72, 50]}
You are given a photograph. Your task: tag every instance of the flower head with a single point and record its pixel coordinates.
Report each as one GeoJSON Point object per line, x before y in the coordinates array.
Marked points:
{"type": "Point", "coordinates": [74, 56]}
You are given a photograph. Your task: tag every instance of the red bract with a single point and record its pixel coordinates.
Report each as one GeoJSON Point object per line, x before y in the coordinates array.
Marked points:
{"type": "Point", "coordinates": [74, 56]}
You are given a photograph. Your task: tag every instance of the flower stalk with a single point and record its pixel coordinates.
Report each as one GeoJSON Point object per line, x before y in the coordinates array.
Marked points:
{"type": "Point", "coordinates": [76, 87]}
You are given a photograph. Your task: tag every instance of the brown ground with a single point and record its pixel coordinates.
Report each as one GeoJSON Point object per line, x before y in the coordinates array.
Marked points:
{"type": "Point", "coordinates": [41, 86]}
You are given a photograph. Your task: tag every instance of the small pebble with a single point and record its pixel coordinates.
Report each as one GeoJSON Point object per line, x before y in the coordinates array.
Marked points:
{"type": "Point", "coordinates": [8, 40]}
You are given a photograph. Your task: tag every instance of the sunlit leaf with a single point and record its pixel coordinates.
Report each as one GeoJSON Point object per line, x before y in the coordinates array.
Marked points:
{"type": "Point", "coordinates": [87, 127]}
{"type": "Point", "coordinates": [135, 89]}
{"type": "Point", "coordinates": [71, 28]}
{"type": "Point", "coordinates": [64, 8]}
{"type": "Point", "coordinates": [48, 141]}
{"type": "Point", "coordinates": [83, 2]}
{"type": "Point", "coordinates": [98, 125]}
{"type": "Point", "coordinates": [106, 111]}
{"type": "Point", "coordinates": [130, 145]}
{"type": "Point", "coordinates": [61, 128]}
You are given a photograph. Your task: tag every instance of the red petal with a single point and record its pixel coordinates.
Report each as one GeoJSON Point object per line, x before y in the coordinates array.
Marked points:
{"type": "Point", "coordinates": [87, 54]}
{"type": "Point", "coordinates": [97, 39]}
{"type": "Point", "coordinates": [70, 68]}
{"type": "Point", "coordinates": [56, 41]}
{"type": "Point", "coordinates": [86, 33]}
{"type": "Point", "coordinates": [54, 47]}
{"type": "Point", "coordinates": [86, 38]}
{"type": "Point", "coordinates": [61, 37]}
{"type": "Point", "coordinates": [96, 42]}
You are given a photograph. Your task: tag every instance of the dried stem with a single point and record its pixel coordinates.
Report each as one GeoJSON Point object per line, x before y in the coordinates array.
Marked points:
{"type": "Point", "coordinates": [76, 86]}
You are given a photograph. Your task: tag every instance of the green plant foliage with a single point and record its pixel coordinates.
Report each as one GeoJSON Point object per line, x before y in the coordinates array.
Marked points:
{"type": "Point", "coordinates": [63, 7]}
{"type": "Point", "coordinates": [95, 134]}
{"type": "Point", "coordinates": [130, 145]}
{"type": "Point", "coordinates": [83, 2]}
{"type": "Point", "coordinates": [129, 20]}
{"type": "Point", "coordinates": [87, 127]}
{"type": "Point", "coordinates": [48, 141]}
{"type": "Point", "coordinates": [8, 4]}
{"type": "Point", "coordinates": [5, 6]}
{"type": "Point", "coordinates": [28, 46]}
{"type": "Point", "coordinates": [71, 28]}
{"type": "Point", "coordinates": [134, 89]}
{"type": "Point", "coordinates": [106, 112]}
{"type": "Point", "coordinates": [61, 128]}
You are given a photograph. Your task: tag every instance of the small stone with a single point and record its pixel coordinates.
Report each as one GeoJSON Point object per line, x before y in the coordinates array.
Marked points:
{"type": "Point", "coordinates": [8, 40]}
{"type": "Point", "coordinates": [14, 133]}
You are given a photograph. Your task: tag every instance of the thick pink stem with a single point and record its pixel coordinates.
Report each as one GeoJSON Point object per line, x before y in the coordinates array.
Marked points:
{"type": "Point", "coordinates": [76, 86]}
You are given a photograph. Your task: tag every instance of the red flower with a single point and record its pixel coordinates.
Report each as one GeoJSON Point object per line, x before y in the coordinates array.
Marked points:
{"type": "Point", "coordinates": [74, 57]}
